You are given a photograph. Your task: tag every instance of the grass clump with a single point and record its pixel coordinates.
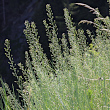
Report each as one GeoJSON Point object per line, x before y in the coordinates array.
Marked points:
{"type": "Point", "coordinates": [77, 78]}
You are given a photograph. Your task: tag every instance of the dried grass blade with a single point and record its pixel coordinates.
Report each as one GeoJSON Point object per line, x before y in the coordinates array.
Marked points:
{"type": "Point", "coordinates": [91, 9]}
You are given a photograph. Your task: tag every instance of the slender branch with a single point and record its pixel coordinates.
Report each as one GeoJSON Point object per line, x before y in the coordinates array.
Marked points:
{"type": "Point", "coordinates": [91, 9]}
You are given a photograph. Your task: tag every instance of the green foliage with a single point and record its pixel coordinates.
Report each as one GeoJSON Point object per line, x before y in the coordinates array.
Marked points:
{"type": "Point", "coordinates": [93, 50]}
{"type": "Point", "coordinates": [82, 81]}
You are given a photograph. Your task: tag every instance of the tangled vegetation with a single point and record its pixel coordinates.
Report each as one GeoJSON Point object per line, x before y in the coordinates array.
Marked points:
{"type": "Point", "coordinates": [76, 78]}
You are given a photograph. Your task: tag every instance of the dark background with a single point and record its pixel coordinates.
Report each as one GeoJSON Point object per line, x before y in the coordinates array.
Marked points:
{"type": "Point", "coordinates": [13, 13]}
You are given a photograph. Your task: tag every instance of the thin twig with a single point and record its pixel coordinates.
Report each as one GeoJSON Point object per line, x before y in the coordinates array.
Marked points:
{"type": "Point", "coordinates": [88, 22]}
{"type": "Point", "coordinates": [107, 30]}
{"type": "Point", "coordinates": [93, 79]}
{"type": "Point", "coordinates": [91, 9]}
